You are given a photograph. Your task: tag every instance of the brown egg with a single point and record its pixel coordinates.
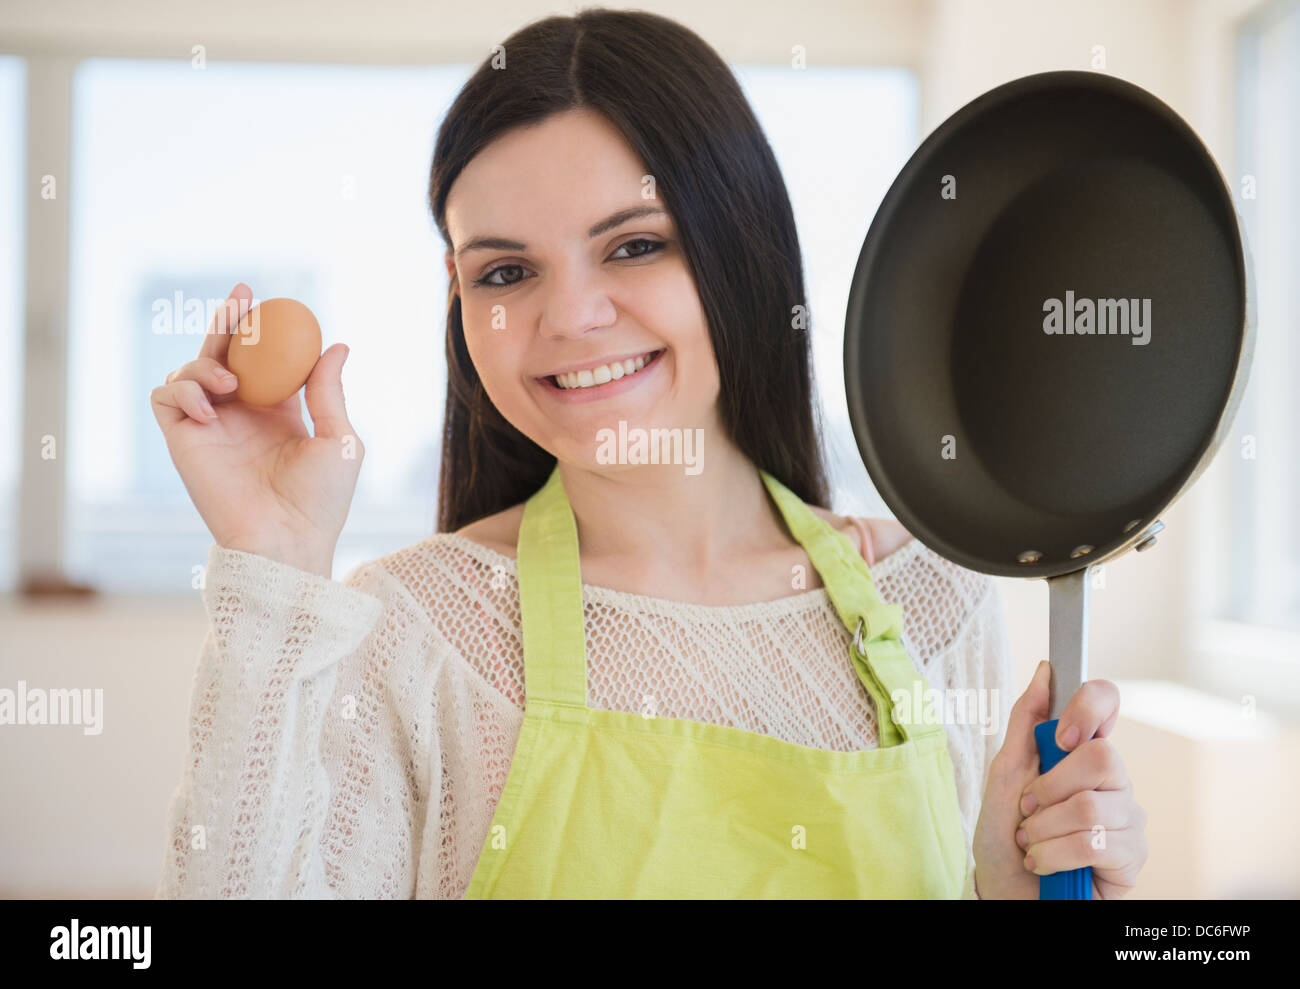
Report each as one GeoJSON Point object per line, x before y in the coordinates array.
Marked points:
{"type": "Point", "coordinates": [273, 350]}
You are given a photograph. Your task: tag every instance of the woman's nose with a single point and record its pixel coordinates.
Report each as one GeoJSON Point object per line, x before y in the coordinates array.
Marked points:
{"type": "Point", "coordinates": [575, 300]}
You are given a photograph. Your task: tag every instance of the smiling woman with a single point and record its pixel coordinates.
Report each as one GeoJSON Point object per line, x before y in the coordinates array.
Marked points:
{"type": "Point", "coordinates": [603, 679]}
{"type": "Point", "coordinates": [611, 287]}
{"type": "Point", "coordinates": [614, 212]}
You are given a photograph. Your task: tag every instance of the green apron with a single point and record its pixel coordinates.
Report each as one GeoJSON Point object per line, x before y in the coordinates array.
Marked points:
{"type": "Point", "coordinates": [606, 804]}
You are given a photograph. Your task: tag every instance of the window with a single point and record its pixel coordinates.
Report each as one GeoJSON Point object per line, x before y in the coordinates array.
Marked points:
{"type": "Point", "coordinates": [13, 94]}
{"type": "Point", "coordinates": [310, 182]}
{"type": "Point", "coordinates": [1265, 481]}
{"type": "Point", "coordinates": [307, 182]}
{"type": "Point", "coordinates": [840, 135]}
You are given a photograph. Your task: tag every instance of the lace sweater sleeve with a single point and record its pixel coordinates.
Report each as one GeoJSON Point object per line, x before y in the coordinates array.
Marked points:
{"type": "Point", "coordinates": [960, 643]}
{"type": "Point", "coordinates": [309, 757]}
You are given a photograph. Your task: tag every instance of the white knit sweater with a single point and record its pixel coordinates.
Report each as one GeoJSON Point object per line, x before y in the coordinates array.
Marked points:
{"type": "Point", "coordinates": [350, 739]}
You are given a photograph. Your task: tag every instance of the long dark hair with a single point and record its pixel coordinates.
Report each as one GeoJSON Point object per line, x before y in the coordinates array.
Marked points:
{"type": "Point", "coordinates": [681, 110]}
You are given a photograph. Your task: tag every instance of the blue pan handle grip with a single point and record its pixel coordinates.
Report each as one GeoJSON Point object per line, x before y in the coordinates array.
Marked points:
{"type": "Point", "coordinates": [1073, 884]}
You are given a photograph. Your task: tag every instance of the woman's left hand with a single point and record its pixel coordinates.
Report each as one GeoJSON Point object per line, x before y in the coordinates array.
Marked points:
{"type": "Point", "coordinates": [1080, 813]}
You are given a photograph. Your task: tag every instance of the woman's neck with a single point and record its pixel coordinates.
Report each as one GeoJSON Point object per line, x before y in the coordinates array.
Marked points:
{"type": "Point", "coordinates": [655, 524]}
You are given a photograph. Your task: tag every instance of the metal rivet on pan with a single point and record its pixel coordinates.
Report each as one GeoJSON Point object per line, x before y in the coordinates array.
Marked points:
{"type": "Point", "coordinates": [1149, 537]}
{"type": "Point", "coordinates": [1079, 551]}
{"type": "Point", "coordinates": [1029, 556]}
{"type": "Point", "coordinates": [1132, 525]}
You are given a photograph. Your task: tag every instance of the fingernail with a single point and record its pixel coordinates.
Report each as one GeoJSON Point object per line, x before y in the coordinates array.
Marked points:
{"type": "Point", "coordinates": [222, 374]}
{"type": "Point", "coordinates": [206, 409]}
{"type": "Point", "coordinates": [1021, 840]}
{"type": "Point", "coordinates": [1070, 737]}
{"type": "Point", "coordinates": [1027, 804]}
{"type": "Point", "coordinates": [1030, 863]}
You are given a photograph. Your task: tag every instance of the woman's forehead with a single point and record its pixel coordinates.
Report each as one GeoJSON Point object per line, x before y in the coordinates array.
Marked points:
{"type": "Point", "coordinates": [572, 167]}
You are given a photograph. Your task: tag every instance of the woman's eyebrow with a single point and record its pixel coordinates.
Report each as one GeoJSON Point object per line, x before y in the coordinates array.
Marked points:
{"type": "Point", "coordinates": [605, 225]}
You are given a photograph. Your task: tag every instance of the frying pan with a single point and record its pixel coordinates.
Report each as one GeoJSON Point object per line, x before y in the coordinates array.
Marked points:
{"type": "Point", "coordinates": [1061, 201]}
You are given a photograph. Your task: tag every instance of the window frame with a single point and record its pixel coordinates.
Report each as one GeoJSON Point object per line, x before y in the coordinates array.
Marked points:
{"type": "Point", "coordinates": [1230, 655]}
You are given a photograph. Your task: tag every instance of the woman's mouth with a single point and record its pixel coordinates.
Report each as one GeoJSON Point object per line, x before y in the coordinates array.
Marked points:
{"type": "Point", "coordinates": [603, 381]}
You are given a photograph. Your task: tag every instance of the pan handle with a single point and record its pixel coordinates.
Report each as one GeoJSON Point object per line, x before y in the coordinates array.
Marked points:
{"type": "Point", "coordinates": [1068, 656]}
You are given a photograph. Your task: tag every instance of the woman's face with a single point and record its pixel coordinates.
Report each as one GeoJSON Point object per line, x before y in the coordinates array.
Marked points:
{"type": "Point", "coordinates": [564, 266]}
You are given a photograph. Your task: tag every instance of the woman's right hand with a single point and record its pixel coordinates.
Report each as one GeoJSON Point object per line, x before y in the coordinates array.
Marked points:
{"type": "Point", "coordinates": [260, 480]}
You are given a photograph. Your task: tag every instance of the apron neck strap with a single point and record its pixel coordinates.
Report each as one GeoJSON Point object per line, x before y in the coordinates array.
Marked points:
{"type": "Point", "coordinates": [879, 658]}
{"type": "Point", "coordinates": [550, 598]}
{"type": "Point", "coordinates": [554, 622]}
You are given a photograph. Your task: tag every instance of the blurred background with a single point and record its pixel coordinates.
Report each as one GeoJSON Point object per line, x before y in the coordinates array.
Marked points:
{"type": "Point", "coordinates": [153, 153]}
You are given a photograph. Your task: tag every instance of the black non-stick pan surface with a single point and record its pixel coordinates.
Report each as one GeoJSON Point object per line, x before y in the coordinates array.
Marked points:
{"type": "Point", "coordinates": [1013, 450]}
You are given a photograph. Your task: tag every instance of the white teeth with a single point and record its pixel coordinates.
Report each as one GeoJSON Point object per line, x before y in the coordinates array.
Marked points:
{"type": "Point", "coordinates": [603, 374]}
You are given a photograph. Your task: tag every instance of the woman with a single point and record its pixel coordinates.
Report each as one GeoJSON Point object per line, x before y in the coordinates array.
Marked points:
{"type": "Point", "coordinates": [623, 261]}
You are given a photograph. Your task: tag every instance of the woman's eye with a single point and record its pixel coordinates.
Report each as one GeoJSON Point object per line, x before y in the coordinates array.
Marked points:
{"type": "Point", "coordinates": [650, 246]}
{"type": "Point", "coordinates": [486, 279]}
{"type": "Point", "coordinates": [639, 247]}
